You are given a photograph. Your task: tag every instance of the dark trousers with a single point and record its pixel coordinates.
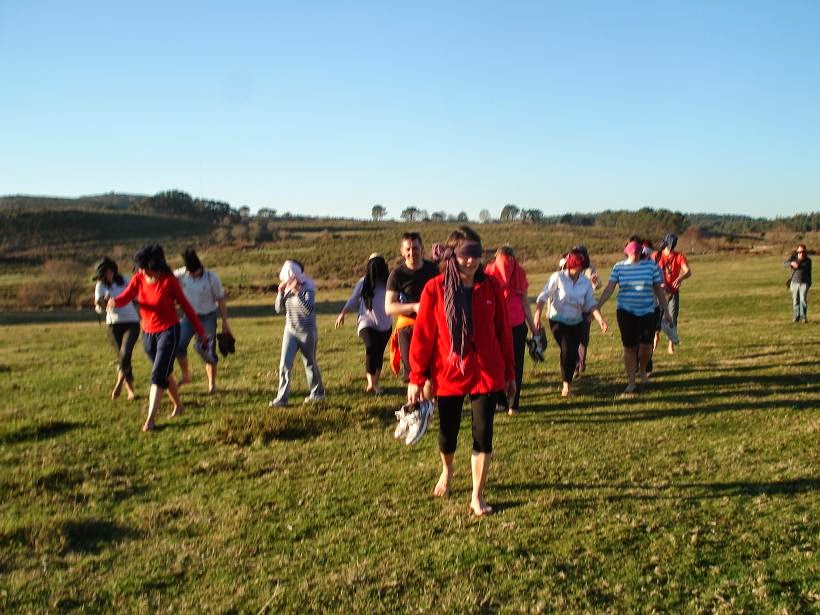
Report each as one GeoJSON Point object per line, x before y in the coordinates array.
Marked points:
{"type": "Point", "coordinates": [567, 337]}
{"type": "Point", "coordinates": [405, 337]}
{"type": "Point", "coordinates": [449, 421]}
{"type": "Point", "coordinates": [375, 342]}
{"type": "Point", "coordinates": [161, 348]}
{"type": "Point", "coordinates": [123, 336]}
{"type": "Point", "coordinates": [519, 335]}
{"type": "Point", "coordinates": [583, 345]}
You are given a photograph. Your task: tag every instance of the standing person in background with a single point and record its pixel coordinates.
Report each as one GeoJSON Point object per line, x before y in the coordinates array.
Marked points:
{"type": "Point", "coordinates": [404, 286]}
{"type": "Point", "coordinates": [591, 274]}
{"type": "Point", "coordinates": [123, 324]}
{"type": "Point", "coordinates": [799, 282]}
{"type": "Point", "coordinates": [675, 269]}
{"type": "Point", "coordinates": [462, 343]}
{"type": "Point", "coordinates": [373, 323]}
{"type": "Point", "coordinates": [296, 297]}
{"type": "Point", "coordinates": [158, 293]}
{"type": "Point", "coordinates": [204, 291]}
{"type": "Point", "coordinates": [513, 281]}
{"type": "Point", "coordinates": [640, 283]}
{"type": "Point", "coordinates": [570, 297]}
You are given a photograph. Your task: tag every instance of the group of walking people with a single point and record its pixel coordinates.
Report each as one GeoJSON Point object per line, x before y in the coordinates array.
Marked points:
{"type": "Point", "coordinates": [455, 327]}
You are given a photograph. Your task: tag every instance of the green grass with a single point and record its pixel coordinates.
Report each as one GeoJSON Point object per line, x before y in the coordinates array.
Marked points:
{"type": "Point", "coordinates": [700, 495]}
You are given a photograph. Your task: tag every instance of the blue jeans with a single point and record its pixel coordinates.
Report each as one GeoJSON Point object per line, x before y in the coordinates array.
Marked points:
{"type": "Point", "coordinates": [799, 300]}
{"type": "Point", "coordinates": [161, 349]}
{"type": "Point", "coordinates": [187, 332]}
{"type": "Point", "coordinates": [304, 342]}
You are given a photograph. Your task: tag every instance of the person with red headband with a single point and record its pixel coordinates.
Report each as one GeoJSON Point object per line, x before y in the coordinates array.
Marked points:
{"type": "Point", "coordinates": [641, 284]}
{"type": "Point", "coordinates": [570, 296]}
{"type": "Point", "coordinates": [462, 344]}
{"type": "Point", "coordinates": [513, 280]}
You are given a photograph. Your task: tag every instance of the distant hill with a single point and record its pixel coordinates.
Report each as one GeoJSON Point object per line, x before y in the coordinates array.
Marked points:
{"type": "Point", "coordinates": [110, 201]}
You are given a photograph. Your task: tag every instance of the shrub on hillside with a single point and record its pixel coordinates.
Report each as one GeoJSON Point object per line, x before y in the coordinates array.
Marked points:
{"type": "Point", "coordinates": [61, 284]}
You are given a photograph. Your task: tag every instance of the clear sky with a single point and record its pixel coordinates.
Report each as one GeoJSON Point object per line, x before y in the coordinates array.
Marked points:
{"type": "Point", "coordinates": [327, 108]}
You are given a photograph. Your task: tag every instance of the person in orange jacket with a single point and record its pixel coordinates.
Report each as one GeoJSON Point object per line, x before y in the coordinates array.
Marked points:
{"type": "Point", "coordinates": [462, 344]}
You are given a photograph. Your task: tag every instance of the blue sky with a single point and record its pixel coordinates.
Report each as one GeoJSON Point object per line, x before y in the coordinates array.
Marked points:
{"type": "Point", "coordinates": [327, 108]}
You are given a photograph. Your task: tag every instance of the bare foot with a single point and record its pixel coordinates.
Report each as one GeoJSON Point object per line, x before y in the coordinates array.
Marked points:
{"type": "Point", "coordinates": [442, 489]}
{"type": "Point", "coordinates": [212, 390]}
{"type": "Point", "coordinates": [177, 410]}
{"type": "Point", "coordinates": [513, 411]}
{"type": "Point", "coordinates": [117, 388]}
{"type": "Point", "coordinates": [131, 396]}
{"type": "Point", "coordinates": [480, 508]}
{"type": "Point", "coordinates": [671, 349]}
{"type": "Point", "coordinates": [149, 426]}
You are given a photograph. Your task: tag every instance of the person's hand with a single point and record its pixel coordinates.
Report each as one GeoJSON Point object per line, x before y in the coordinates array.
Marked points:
{"type": "Point", "coordinates": [416, 307]}
{"type": "Point", "coordinates": [283, 286]}
{"type": "Point", "coordinates": [594, 279]}
{"type": "Point", "coordinates": [294, 286]}
{"type": "Point", "coordinates": [111, 304]}
{"type": "Point", "coordinates": [604, 325]}
{"type": "Point", "coordinates": [226, 327]}
{"type": "Point", "coordinates": [509, 389]}
{"type": "Point", "coordinates": [676, 284]}
{"type": "Point", "coordinates": [415, 393]}
{"type": "Point", "coordinates": [340, 320]}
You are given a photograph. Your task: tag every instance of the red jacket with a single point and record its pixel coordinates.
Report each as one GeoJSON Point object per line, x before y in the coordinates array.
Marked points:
{"type": "Point", "coordinates": [157, 303]}
{"type": "Point", "coordinates": [488, 365]}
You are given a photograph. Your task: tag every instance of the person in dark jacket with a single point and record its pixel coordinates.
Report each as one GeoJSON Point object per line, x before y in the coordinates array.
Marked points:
{"type": "Point", "coordinates": [799, 282]}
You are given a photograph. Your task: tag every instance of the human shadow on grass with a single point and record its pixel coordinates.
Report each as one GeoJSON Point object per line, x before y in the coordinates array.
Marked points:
{"type": "Point", "coordinates": [689, 408]}
{"type": "Point", "coordinates": [38, 431]}
{"type": "Point", "coordinates": [678, 491]}
{"type": "Point", "coordinates": [92, 535]}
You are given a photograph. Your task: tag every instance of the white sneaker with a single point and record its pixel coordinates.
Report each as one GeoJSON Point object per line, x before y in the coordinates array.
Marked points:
{"type": "Point", "coordinates": [402, 416]}
{"type": "Point", "coordinates": [419, 422]}
{"type": "Point", "coordinates": [310, 399]}
{"type": "Point", "coordinates": [277, 403]}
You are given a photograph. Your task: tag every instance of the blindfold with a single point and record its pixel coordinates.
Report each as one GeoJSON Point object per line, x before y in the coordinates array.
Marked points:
{"type": "Point", "coordinates": [468, 249]}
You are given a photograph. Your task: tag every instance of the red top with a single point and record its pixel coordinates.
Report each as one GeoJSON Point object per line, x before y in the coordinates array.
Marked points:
{"type": "Point", "coordinates": [489, 363]}
{"type": "Point", "coordinates": [157, 303]}
{"type": "Point", "coordinates": [510, 275]}
{"type": "Point", "coordinates": [671, 265]}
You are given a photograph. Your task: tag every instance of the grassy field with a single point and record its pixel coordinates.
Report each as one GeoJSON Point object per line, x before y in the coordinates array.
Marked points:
{"type": "Point", "coordinates": [700, 495]}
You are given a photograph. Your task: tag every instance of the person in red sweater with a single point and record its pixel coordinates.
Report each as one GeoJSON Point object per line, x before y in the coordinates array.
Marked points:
{"type": "Point", "coordinates": [462, 344]}
{"type": "Point", "coordinates": [157, 291]}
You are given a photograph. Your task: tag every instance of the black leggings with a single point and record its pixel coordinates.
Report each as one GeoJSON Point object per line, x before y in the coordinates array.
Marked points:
{"type": "Point", "coordinates": [123, 336]}
{"type": "Point", "coordinates": [519, 335]}
{"type": "Point", "coordinates": [375, 342]}
{"type": "Point", "coordinates": [567, 337]}
{"type": "Point", "coordinates": [583, 345]}
{"type": "Point", "coordinates": [449, 421]}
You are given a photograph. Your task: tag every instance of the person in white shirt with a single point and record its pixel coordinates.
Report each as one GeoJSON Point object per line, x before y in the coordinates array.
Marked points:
{"type": "Point", "coordinates": [570, 296]}
{"type": "Point", "coordinates": [374, 326]}
{"type": "Point", "coordinates": [205, 293]}
{"type": "Point", "coordinates": [123, 323]}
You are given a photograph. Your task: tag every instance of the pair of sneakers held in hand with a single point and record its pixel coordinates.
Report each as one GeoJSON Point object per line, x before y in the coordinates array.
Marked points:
{"type": "Point", "coordinates": [414, 419]}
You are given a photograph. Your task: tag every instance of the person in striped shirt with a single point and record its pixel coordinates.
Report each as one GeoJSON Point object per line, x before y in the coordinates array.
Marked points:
{"type": "Point", "coordinates": [640, 284]}
{"type": "Point", "coordinates": [297, 299]}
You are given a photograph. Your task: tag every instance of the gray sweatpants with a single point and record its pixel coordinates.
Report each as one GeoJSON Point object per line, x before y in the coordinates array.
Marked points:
{"type": "Point", "coordinates": [304, 342]}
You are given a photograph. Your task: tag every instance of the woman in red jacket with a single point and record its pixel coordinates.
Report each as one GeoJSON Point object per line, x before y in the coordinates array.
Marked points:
{"type": "Point", "coordinates": [157, 291]}
{"type": "Point", "coordinates": [462, 343]}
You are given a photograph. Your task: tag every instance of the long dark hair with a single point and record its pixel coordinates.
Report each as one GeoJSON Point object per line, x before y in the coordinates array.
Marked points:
{"type": "Point", "coordinates": [152, 258]}
{"type": "Point", "coordinates": [376, 275]}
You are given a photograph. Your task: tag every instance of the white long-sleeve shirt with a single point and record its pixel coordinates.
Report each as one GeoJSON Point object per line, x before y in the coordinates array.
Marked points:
{"type": "Point", "coordinates": [126, 313]}
{"type": "Point", "coordinates": [375, 318]}
{"type": "Point", "coordinates": [569, 298]}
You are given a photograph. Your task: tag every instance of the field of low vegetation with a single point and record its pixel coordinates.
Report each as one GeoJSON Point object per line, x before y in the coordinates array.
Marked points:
{"type": "Point", "coordinates": [701, 495]}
